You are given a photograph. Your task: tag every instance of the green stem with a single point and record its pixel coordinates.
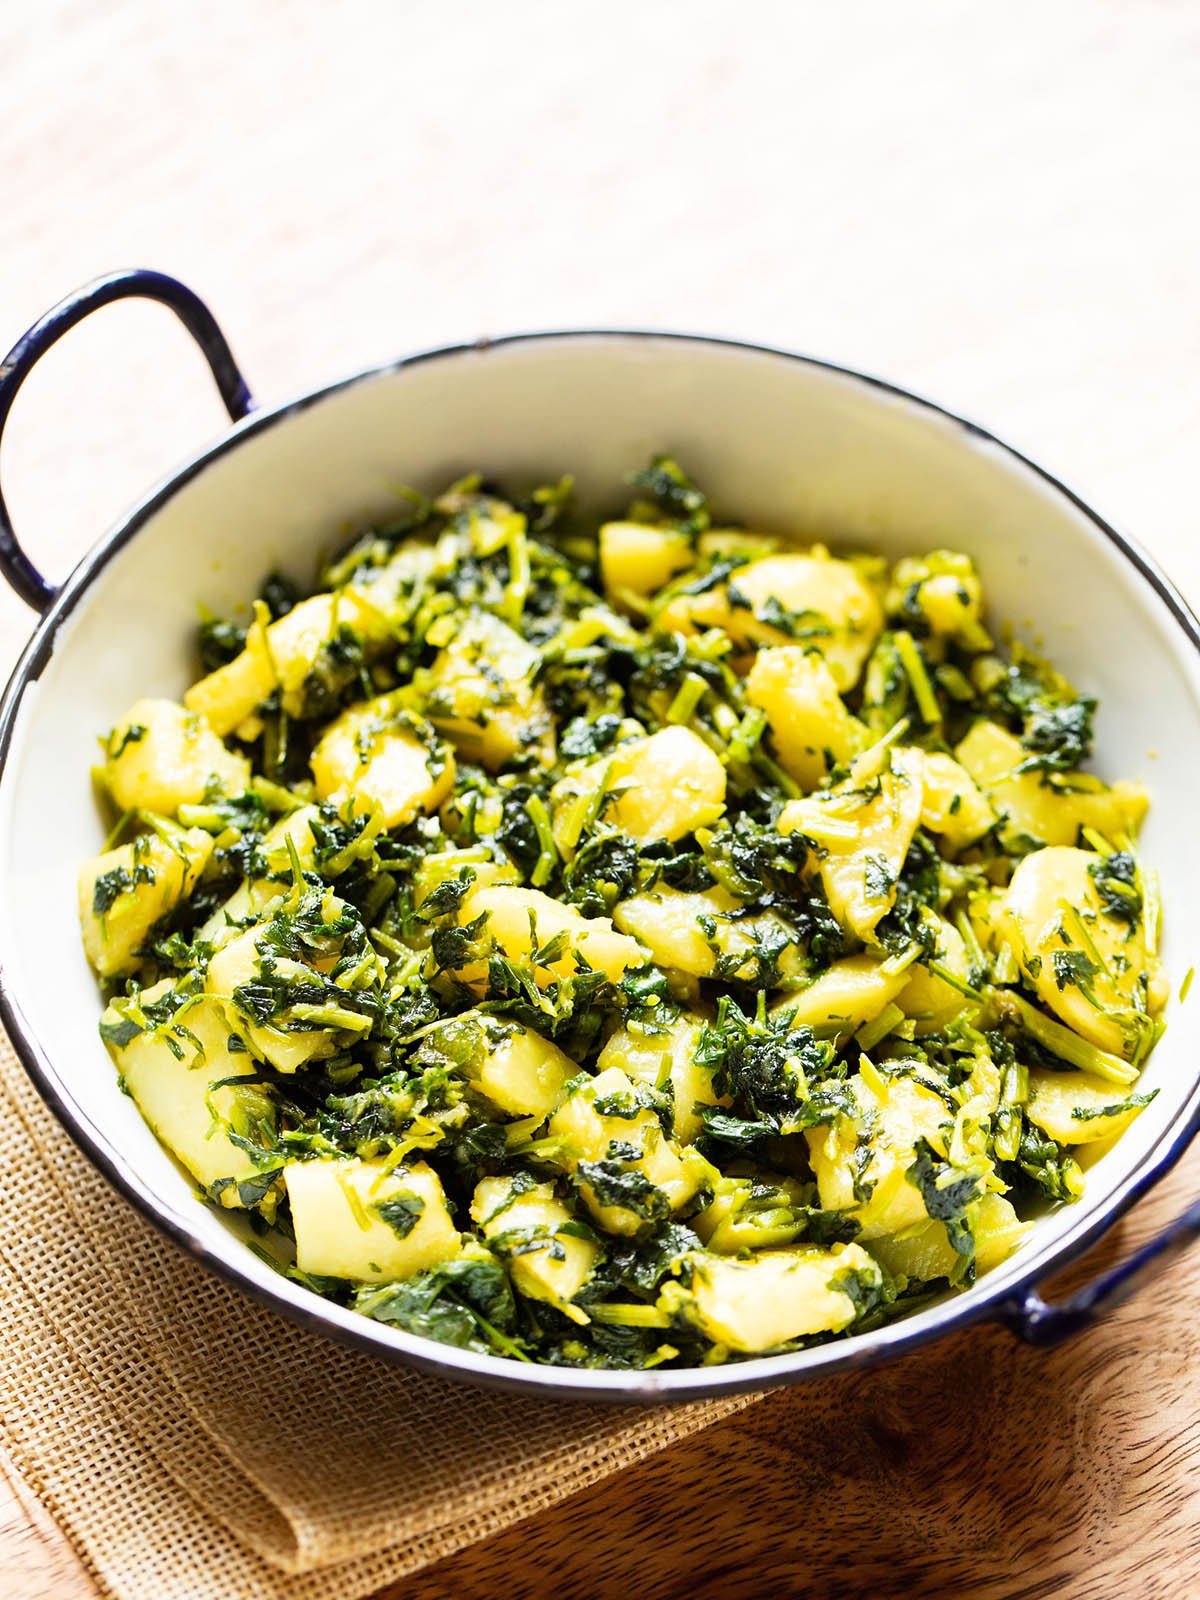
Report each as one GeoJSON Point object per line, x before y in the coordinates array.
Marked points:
{"type": "Point", "coordinates": [1066, 1045]}
{"type": "Point", "coordinates": [627, 1315]}
{"type": "Point", "coordinates": [547, 854]}
{"type": "Point", "coordinates": [914, 669]}
{"type": "Point", "coordinates": [687, 697]}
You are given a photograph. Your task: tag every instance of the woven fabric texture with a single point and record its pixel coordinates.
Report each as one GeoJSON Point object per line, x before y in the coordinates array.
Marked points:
{"type": "Point", "coordinates": [191, 1444]}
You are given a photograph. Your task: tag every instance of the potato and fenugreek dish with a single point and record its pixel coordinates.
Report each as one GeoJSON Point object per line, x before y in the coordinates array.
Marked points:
{"type": "Point", "coordinates": [652, 943]}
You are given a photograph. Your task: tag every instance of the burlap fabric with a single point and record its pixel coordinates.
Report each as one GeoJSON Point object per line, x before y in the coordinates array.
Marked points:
{"type": "Point", "coordinates": [191, 1444]}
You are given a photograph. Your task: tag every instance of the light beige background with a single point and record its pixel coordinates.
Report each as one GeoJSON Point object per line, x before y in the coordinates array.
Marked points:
{"type": "Point", "coordinates": [993, 204]}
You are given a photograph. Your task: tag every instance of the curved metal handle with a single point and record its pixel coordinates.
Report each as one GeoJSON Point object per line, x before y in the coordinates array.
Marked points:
{"type": "Point", "coordinates": [137, 282]}
{"type": "Point", "coordinates": [1041, 1322]}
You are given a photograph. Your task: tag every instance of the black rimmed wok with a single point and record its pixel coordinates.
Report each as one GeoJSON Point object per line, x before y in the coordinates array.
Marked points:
{"type": "Point", "coordinates": [792, 444]}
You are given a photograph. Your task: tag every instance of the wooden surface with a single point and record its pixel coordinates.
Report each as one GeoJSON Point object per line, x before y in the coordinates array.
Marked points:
{"type": "Point", "coordinates": [976, 1468]}
{"type": "Point", "coordinates": [994, 205]}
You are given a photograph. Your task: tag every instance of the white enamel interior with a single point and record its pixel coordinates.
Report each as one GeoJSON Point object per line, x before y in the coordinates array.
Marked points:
{"type": "Point", "coordinates": [779, 443]}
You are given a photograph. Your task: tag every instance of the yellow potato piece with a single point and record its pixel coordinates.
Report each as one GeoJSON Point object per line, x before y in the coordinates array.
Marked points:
{"type": "Point", "coordinates": [809, 721]}
{"type": "Point", "coordinates": [946, 591]}
{"type": "Point", "coordinates": [241, 961]}
{"type": "Point", "coordinates": [954, 806]}
{"type": "Point", "coordinates": [510, 914]}
{"type": "Point", "coordinates": [845, 995]}
{"type": "Point", "coordinates": [482, 696]}
{"type": "Point", "coordinates": [866, 828]}
{"type": "Point", "coordinates": [925, 1252]}
{"type": "Point", "coordinates": [282, 655]}
{"type": "Point", "coordinates": [903, 1113]}
{"type": "Point", "coordinates": [691, 931]}
{"type": "Point", "coordinates": [174, 1091]}
{"type": "Point", "coordinates": [1111, 811]}
{"type": "Point", "coordinates": [524, 1074]}
{"type": "Point", "coordinates": [535, 1212]}
{"type": "Point", "coordinates": [983, 909]}
{"type": "Point", "coordinates": [1089, 968]}
{"type": "Point", "coordinates": [667, 1058]}
{"type": "Point", "coordinates": [374, 753]}
{"type": "Point", "coordinates": [639, 558]}
{"type": "Point", "coordinates": [585, 1134]}
{"type": "Point", "coordinates": [840, 614]}
{"type": "Point", "coordinates": [775, 1295]}
{"type": "Point", "coordinates": [160, 757]}
{"type": "Point", "coordinates": [124, 892]}
{"type": "Point", "coordinates": [950, 604]}
{"type": "Point", "coordinates": [833, 590]}
{"type": "Point", "coordinates": [1050, 813]}
{"type": "Point", "coordinates": [667, 786]}
{"type": "Point", "coordinates": [1055, 1097]}
{"type": "Point", "coordinates": [341, 1232]}
{"type": "Point", "coordinates": [928, 999]}
{"type": "Point", "coordinates": [670, 923]}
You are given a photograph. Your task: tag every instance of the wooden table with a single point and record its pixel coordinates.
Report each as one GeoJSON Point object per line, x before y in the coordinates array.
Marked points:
{"type": "Point", "coordinates": [997, 206]}
{"type": "Point", "coordinates": [977, 1467]}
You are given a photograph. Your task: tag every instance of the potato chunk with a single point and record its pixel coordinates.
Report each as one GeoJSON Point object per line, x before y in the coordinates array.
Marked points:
{"type": "Point", "coordinates": [639, 558]}
{"type": "Point", "coordinates": [845, 995]}
{"type": "Point", "coordinates": [809, 721]}
{"type": "Point", "coordinates": [667, 1059]}
{"type": "Point", "coordinates": [1078, 1107]}
{"type": "Point", "coordinates": [169, 1066]}
{"type": "Point", "coordinates": [667, 786]}
{"type": "Point", "coordinates": [698, 932]}
{"type": "Point", "coordinates": [283, 655]}
{"type": "Point", "coordinates": [124, 892]}
{"type": "Point", "coordinates": [904, 1112]}
{"type": "Point", "coordinates": [555, 1270]}
{"type": "Point", "coordinates": [160, 757]}
{"type": "Point", "coordinates": [358, 1220]}
{"type": "Point", "coordinates": [383, 755]}
{"type": "Point", "coordinates": [1032, 807]}
{"type": "Point", "coordinates": [681, 929]}
{"type": "Point", "coordinates": [524, 1074]}
{"type": "Point", "coordinates": [925, 1252]}
{"type": "Point", "coordinates": [482, 696]}
{"type": "Point", "coordinates": [512, 915]}
{"type": "Point", "coordinates": [926, 997]}
{"type": "Point", "coordinates": [597, 1125]}
{"type": "Point", "coordinates": [240, 963]}
{"type": "Point", "coordinates": [944, 589]}
{"type": "Point", "coordinates": [1089, 967]}
{"type": "Point", "coordinates": [285, 1010]}
{"type": "Point", "coordinates": [845, 615]}
{"type": "Point", "coordinates": [954, 805]}
{"type": "Point", "coordinates": [769, 600]}
{"type": "Point", "coordinates": [774, 1296]}
{"type": "Point", "coordinates": [865, 828]}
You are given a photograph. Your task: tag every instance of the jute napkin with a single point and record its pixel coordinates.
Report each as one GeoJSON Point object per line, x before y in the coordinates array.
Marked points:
{"type": "Point", "coordinates": [191, 1444]}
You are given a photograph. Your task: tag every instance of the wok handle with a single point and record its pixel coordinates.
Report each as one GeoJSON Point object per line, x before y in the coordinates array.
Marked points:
{"type": "Point", "coordinates": [1043, 1322]}
{"type": "Point", "coordinates": [132, 282]}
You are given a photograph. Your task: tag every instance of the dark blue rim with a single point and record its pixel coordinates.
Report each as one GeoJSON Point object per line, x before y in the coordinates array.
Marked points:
{"type": "Point", "coordinates": [1017, 1305]}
